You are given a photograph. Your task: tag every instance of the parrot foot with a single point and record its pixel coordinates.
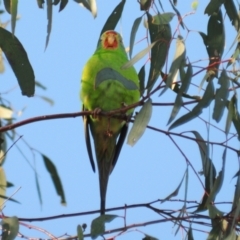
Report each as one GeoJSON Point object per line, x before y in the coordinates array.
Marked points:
{"type": "Point", "coordinates": [96, 112]}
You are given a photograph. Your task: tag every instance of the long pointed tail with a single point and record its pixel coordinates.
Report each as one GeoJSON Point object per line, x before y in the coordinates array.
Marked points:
{"type": "Point", "coordinates": [105, 150]}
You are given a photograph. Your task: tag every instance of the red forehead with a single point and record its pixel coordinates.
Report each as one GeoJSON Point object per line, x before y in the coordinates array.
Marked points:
{"type": "Point", "coordinates": [111, 32]}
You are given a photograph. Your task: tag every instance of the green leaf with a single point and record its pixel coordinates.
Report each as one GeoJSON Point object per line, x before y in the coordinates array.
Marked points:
{"type": "Point", "coordinates": [63, 4]}
{"type": "Point", "coordinates": [79, 232]}
{"type": "Point", "coordinates": [49, 18]}
{"type": "Point", "coordinates": [98, 225]}
{"type": "Point", "coordinates": [56, 2]}
{"type": "Point", "coordinates": [10, 228]}
{"type": "Point", "coordinates": [217, 182]}
{"type": "Point", "coordinates": [90, 5]}
{"type": "Point", "coordinates": [3, 147]}
{"type": "Point", "coordinates": [175, 192]}
{"type": "Point", "coordinates": [3, 184]}
{"type": "Point", "coordinates": [214, 42]}
{"type": "Point", "coordinates": [176, 64]}
{"type": "Point", "coordinates": [213, 7]}
{"type": "Point", "coordinates": [232, 13]}
{"type": "Point", "coordinates": [55, 178]}
{"type": "Point", "coordinates": [2, 69]}
{"type": "Point", "coordinates": [221, 96]}
{"type": "Point", "coordinates": [40, 3]}
{"type": "Point", "coordinates": [163, 18]}
{"type": "Point", "coordinates": [234, 56]}
{"type": "Point", "coordinates": [38, 84]}
{"type": "Point", "coordinates": [138, 56]}
{"type": "Point", "coordinates": [38, 188]}
{"type": "Point", "coordinates": [236, 212]}
{"type": "Point", "coordinates": [145, 4]}
{"type": "Point", "coordinates": [148, 237]}
{"type": "Point", "coordinates": [14, 5]}
{"type": "Point", "coordinates": [231, 112]}
{"type": "Point", "coordinates": [5, 113]}
{"type": "Point", "coordinates": [233, 115]}
{"type": "Point", "coordinates": [197, 110]}
{"type": "Point", "coordinates": [140, 123]}
{"type": "Point", "coordinates": [133, 34]}
{"type": "Point", "coordinates": [184, 87]}
{"type": "Point", "coordinates": [7, 5]}
{"type": "Point", "coordinates": [141, 76]}
{"type": "Point", "coordinates": [178, 14]}
{"type": "Point", "coordinates": [190, 234]}
{"type": "Point", "coordinates": [111, 74]}
{"type": "Point", "coordinates": [161, 35]}
{"type": "Point", "coordinates": [208, 167]}
{"type": "Point", "coordinates": [93, 7]}
{"type": "Point", "coordinates": [113, 19]}
{"type": "Point", "coordinates": [18, 59]}
{"type": "Point", "coordinates": [9, 185]}
{"type": "Point", "coordinates": [48, 100]}
{"type": "Point", "coordinates": [214, 212]}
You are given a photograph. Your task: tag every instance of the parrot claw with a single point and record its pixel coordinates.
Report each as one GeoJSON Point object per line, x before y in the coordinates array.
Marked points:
{"type": "Point", "coordinates": [96, 112]}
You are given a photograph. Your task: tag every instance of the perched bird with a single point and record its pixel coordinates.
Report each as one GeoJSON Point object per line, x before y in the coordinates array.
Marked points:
{"type": "Point", "coordinates": [105, 86]}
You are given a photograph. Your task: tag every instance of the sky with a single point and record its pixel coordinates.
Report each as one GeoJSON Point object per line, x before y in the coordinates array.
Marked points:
{"type": "Point", "coordinates": [149, 171]}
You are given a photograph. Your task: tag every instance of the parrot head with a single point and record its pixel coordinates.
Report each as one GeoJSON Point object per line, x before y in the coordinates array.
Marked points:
{"type": "Point", "coordinates": [111, 40]}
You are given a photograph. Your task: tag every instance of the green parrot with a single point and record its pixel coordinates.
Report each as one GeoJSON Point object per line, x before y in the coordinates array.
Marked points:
{"type": "Point", "coordinates": [105, 87]}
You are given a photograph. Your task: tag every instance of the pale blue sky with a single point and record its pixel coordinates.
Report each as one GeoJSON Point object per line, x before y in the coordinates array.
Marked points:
{"type": "Point", "coordinates": [150, 170]}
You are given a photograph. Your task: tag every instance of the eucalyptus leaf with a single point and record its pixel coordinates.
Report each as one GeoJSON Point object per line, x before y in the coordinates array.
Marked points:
{"type": "Point", "coordinates": [133, 34]}
{"type": "Point", "coordinates": [10, 228]}
{"type": "Point", "coordinates": [55, 178]}
{"type": "Point", "coordinates": [140, 123]}
{"type": "Point", "coordinates": [98, 225]}
{"type": "Point", "coordinates": [18, 60]}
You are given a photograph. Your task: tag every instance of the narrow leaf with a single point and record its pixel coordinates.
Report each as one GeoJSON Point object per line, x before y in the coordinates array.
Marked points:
{"type": "Point", "coordinates": [197, 110]}
{"type": "Point", "coordinates": [7, 5]}
{"type": "Point", "coordinates": [175, 192]}
{"type": "Point", "coordinates": [148, 237]}
{"type": "Point", "coordinates": [38, 188]}
{"type": "Point", "coordinates": [232, 13]}
{"type": "Point", "coordinates": [231, 111]}
{"type": "Point", "coordinates": [161, 34]}
{"type": "Point", "coordinates": [177, 61]}
{"type": "Point", "coordinates": [138, 56]}
{"type": "Point", "coordinates": [14, 5]}
{"type": "Point", "coordinates": [2, 68]}
{"type": "Point", "coordinates": [63, 4]}
{"type": "Point", "coordinates": [98, 225]}
{"type": "Point", "coordinates": [140, 123]}
{"type": "Point", "coordinates": [18, 59]}
{"type": "Point", "coordinates": [190, 234]}
{"type": "Point", "coordinates": [49, 18]}
{"type": "Point", "coordinates": [3, 184]}
{"type": "Point", "coordinates": [163, 18]}
{"type": "Point", "coordinates": [221, 96]}
{"type": "Point", "coordinates": [113, 18]}
{"type": "Point", "coordinates": [5, 113]}
{"type": "Point", "coordinates": [55, 178]}
{"type": "Point", "coordinates": [40, 3]}
{"type": "Point", "coordinates": [213, 7]}
{"type": "Point", "coordinates": [93, 7]}
{"type": "Point", "coordinates": [141, 76]}
{"type": "Point", "coordinates": [10, 228]}
{"type": "Point", "coordinates": [133, 34]}
{"type": "Point", "coordinates": [79, 232]}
